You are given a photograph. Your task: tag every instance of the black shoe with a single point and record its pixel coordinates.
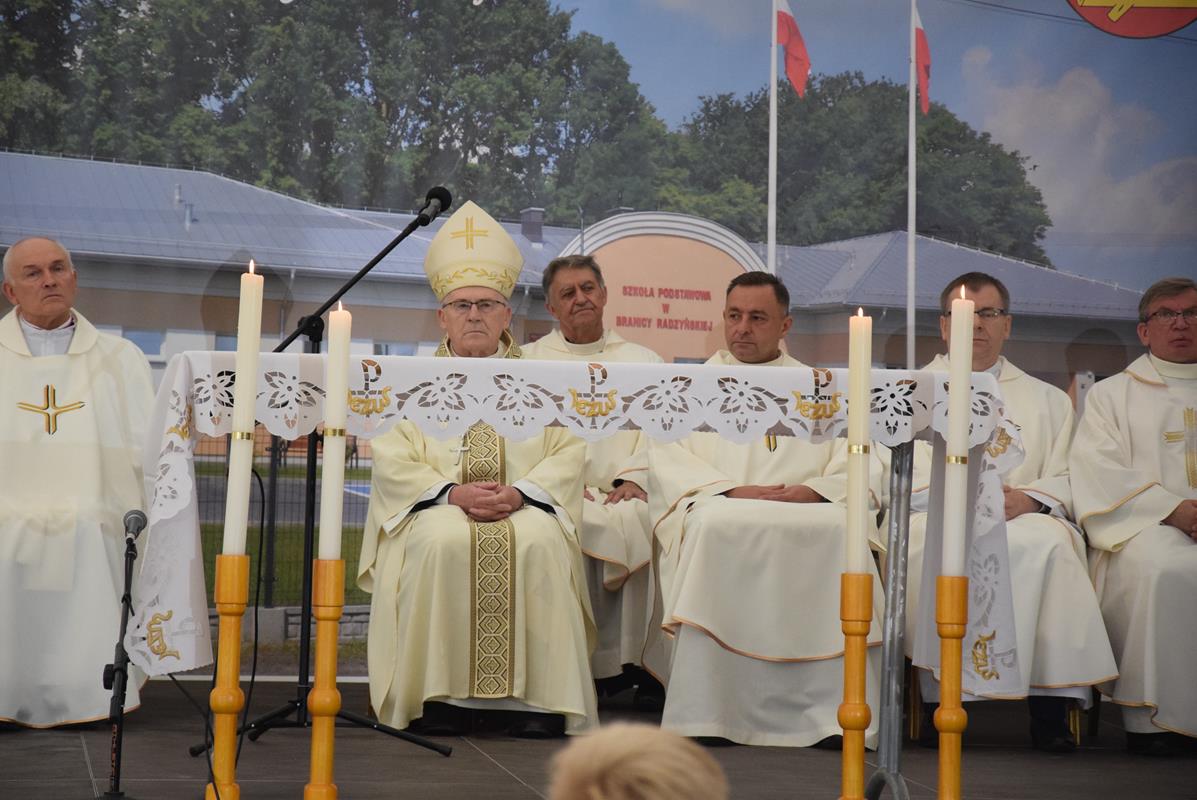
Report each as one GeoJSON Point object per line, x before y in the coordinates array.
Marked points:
{"type": "Point", "coordinates": [833, 742]}
{"type": "Point", "coordinates": [715, 741]}
{"type": "Point", "coordinates": [1161, 745]}
{"type": "Point", "coordinates": [1049, 724]}
{"type": "Point", "coordinates": [928, 735]}
{"type": "Point", "coordinates": [442, 719]}
{"type": "Point", "coordinates": [532, 725]}
{"type": "Point", "coordinates": [650, 694]}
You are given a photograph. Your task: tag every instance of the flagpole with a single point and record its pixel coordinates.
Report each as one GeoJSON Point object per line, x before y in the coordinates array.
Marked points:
{"type": "Point", "coordinates": [911, 195]}
{"type": "Point", "coordinates": [771, 224]}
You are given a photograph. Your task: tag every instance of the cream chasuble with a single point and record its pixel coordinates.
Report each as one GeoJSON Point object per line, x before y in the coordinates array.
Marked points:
{"type": "Point", "coordinates": [462, 610]}
{"type": "Point", "coordinates": [1134, 459]}
{"type": "Point", "coordinates": [616, 537]}
{"type": "Point", "coordinates": [71, 445]}
{"type": "Point", "coordinates": [1062, 644]}
{"type": "Point", "coordinates": [751, 587]}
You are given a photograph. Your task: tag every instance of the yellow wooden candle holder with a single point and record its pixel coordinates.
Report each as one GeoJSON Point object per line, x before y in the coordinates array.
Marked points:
{"type": "Point", "coordinates": [951, 618]}
{"type": "Point", "coordinates": [226, 699]}
{"type": "Point", "coordinates": [856, 615]}
{"type": "Point", "coordinates": [324, 701]}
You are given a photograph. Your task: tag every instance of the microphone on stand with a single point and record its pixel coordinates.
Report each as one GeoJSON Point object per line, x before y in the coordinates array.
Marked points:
{"type": "Point", "coordinates": [135, 523]}
{"type": "Point", "coordinates": [116, 674]}
{"type": "Point", "coordinates": [437, 200]}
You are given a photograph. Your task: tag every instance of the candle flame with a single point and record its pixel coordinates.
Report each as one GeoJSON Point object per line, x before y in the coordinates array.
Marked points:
{"type": "Point", "coordinates": [251, 266]}
{"type": "Point", "coordinates": [859, 311]}
{"type": "Point", "coordinates": [340, 306]}
{"type": "Point", "coordinates": [962, 291]}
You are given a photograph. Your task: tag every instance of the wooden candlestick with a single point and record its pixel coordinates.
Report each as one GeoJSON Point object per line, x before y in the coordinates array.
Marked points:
{"type": "Point", "coordinates": [226, 699]}
{"type": "Point", "coordinates": [856, 616]}
{"type": "Point", "coordinates": [951, 619]}
{"type": "Point", "coordinates": [324, 701]}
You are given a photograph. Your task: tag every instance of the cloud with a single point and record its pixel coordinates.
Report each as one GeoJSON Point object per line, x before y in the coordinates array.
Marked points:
{"type": "Point", "coordinates": [1092, 155]}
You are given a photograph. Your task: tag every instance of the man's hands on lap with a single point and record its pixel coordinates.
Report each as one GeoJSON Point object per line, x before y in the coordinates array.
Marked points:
{"type": "Point", "coordinates": [778, 492]}
{"type": "Point", "coordinates": [626, 490]}
{"type": "Point", "coordinates": [486, 501]}
{"type": "Point", "coordinates": [1184, 517]}
{"type": "Point", "coordinates": [1019, 502]}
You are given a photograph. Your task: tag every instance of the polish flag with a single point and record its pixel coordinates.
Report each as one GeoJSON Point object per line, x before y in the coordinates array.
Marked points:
{"type": "Point", "coordinates": [922, 62]}
{"type": "Point", "coordinates": [797, 59]}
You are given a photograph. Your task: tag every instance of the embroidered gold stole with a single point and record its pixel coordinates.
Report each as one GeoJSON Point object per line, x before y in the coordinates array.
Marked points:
{"type": "Point", "coordinates": [492, 563]}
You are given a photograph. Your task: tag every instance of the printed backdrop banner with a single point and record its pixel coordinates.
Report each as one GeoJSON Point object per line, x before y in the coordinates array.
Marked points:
{"type": "Point", "coordinates": [444, 396]}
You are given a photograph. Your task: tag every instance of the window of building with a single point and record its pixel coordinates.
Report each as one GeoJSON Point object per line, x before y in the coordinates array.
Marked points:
{"type": "Point", "coordinates": [394, 348]}
{"type": "Point", "coordinates": [150, 342]}
{"type": "Point", "coordinates": [226, 341]}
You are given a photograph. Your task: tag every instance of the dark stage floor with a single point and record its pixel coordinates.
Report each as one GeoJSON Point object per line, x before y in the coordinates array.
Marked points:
{"type": "Point", "coordinates": [998, 761]}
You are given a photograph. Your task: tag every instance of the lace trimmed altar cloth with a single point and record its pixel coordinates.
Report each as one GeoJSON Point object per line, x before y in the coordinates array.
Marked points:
{"type": "Point", "coordinates": [169, 631]}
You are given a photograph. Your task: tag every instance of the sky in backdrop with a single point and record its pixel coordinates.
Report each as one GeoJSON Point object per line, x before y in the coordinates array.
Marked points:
{"type": "Point", "coordinates": [1109, 124]}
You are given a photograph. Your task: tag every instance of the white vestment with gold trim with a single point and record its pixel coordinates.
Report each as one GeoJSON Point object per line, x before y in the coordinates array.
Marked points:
{"type": "Point", "coordinates": [616, 537]}
{"type": "Point", "coordinates": [1063, 648]}
{"type": "Point", "coordinates": [478, 614]}
{"type": "Point", "coordinates": [71, 442]}
{"type": "Point", "coordinates": [1134, 459]}
{"type": "Point", "coordinates": [751, 587]}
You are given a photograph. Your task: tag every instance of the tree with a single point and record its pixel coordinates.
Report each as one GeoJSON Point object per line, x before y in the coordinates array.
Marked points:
{"type": "Point", "coordinates": [35, 58]}
{"type": "Point", "coordinates": [842, 170]}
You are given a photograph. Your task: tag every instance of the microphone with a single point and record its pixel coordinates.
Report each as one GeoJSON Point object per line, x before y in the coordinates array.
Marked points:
{"type": "Point", "coordinates": [135, 522]}
{"type": "Point", "coordinates": [437, 200]}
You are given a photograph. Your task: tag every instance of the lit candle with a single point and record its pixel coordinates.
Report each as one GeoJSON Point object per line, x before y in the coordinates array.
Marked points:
{"type": "Point", "coordinates": [245, 391]}
{"type": "Point", "coordinates": [955, 485]}
{"type": "Point", "coordinates": [336, 404]}
{"type": "Point", "coordinates": [860, 347]}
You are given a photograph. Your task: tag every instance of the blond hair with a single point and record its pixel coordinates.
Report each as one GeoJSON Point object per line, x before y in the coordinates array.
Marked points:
{"type": "Point", "coordinates": [635, 762]}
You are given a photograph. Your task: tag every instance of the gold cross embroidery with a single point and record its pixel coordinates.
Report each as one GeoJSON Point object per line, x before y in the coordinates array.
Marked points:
{"type": "Point", "coordinates": [1189, 437]}
{"type": "Point", "coordinates": [469, 233]}
{"type": "Point", "coordinates": [49, 409]}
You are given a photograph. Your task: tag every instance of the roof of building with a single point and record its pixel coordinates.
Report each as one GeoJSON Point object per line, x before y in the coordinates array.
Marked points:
{"type": "Point", "coordinates": [118, 210]}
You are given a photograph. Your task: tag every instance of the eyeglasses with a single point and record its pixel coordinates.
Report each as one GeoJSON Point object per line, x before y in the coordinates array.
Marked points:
{"type": "Point", "coordinates": [986, 313]}
{"type": "Point", "coordinates": [1166, 316]}
{"type": "Point", "coordinates": [463, 307]}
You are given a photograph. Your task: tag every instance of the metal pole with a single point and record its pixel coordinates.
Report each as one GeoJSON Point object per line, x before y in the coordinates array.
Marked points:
{"type": "Point", "coordinates": [893, 627]}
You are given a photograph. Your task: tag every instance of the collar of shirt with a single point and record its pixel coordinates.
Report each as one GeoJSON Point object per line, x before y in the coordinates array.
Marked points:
{"type": "Point", "coordinates": [1170, 369]}
{"type": "Point", "coordinates": [588, 349]}
{"type": "Point", "coordinates": [53, 342]}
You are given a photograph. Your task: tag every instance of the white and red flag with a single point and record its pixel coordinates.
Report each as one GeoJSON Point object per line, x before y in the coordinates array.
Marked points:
{"type": "Point", "coordinates": [922, 62]}
{"type": "Point", "coordinates": [789, 37]}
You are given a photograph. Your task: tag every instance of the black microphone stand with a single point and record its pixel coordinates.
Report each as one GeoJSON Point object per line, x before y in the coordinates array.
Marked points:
{"type": "Point", "coordinates": [312, 327]}
{"type": "Point", "coordinates": [116, 674]}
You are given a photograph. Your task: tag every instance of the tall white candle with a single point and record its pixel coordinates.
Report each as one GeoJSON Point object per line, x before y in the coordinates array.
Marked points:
{"type": "Point", "coordinates": [860, 349]}
{"type": "Point", "coordinates": [245, 390]}
{"type": "Point", "coordinates": [955, 486]}
{"type": "Point", "coordinates": [336, 404]}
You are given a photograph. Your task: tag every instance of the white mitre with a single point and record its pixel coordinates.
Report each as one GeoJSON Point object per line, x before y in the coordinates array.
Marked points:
{"type": "Point", "coordinates": [472, 249]}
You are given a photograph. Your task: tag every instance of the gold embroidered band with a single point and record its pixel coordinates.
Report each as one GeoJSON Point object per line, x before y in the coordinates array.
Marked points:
{"type": "Point", "coordinates": [956, 460]}
{"type": "Point", "coordinates": [858, 449]}
{"type": "Point", "coordinates": [242, 435]}
{"type": "Point", "coordinates": [334, 431]}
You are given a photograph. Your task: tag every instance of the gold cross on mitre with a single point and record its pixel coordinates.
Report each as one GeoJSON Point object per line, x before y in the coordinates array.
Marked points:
{"type": "Point", "coordinates": [1189, 437]}
{"type": "Point", "coordinates": [49, 409]}
{"type": "Point", "coordinates": [469, 233]}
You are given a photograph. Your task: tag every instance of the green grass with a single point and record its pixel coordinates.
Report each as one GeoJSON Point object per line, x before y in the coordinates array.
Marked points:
{"type": "Point", "coordinates": [288, 559]}
{"type": "Point", "coordinates": [293, 470]}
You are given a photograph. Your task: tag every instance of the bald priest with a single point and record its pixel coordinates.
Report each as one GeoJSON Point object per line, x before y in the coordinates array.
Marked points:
{"type": "Point", "coordinates": [73, 405]}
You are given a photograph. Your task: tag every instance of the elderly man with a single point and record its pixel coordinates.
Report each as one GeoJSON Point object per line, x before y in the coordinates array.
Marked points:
{"type": "Point", "coordinates": [1063, 649]}
{"type": "Point", "coordinates": [1134, 484]}
{"type": "Point", "coordinates": [74, 403]}
{"type": "Point", "coordinates": [616, 536]}
{"type": "Point", "coordinates": [751, 541]}
{"type": "Point", "coordinates": [454, 626]}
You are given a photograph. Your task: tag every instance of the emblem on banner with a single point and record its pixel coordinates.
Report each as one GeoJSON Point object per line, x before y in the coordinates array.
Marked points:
{"type": "Point", "coordinates": [370, 400]}
{"type": "Point", "coordinates": [155, 637]}
{"type": "Point", "coordinates": [818, 406]}
{"type": "Point", "coordinates": [982, 664]}
{"type": "Point", "coordinates": [594, 403]}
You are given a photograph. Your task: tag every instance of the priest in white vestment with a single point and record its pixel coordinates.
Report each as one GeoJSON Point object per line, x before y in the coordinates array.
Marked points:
{"type": "Point", "coordinates": [74, 402]}
{"type": "Point", "coordinates": [471, 544]}
{"type": "Point", "coordinates": [616, 534]}
{"type": "Point", "coordinates": [1134, 485]}
{"type": "Point", "coordinates": [1063, 649]}
{"type": "Point", "coordinates": [752, 545]}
